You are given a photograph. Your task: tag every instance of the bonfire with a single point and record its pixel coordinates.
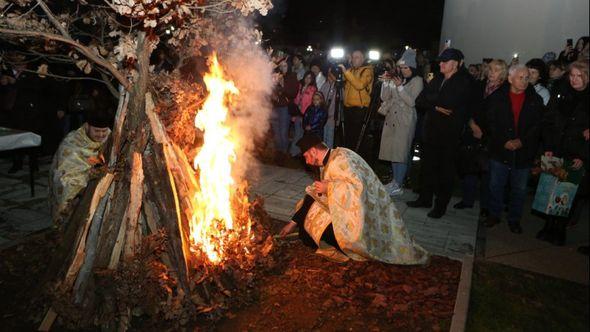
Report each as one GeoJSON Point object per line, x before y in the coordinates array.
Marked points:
{"type": "Point", "coordinates": [188, 233]}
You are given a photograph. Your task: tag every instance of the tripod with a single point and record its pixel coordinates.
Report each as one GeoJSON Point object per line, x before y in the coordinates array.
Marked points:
{"type": "Point", "coordinates": [370, 111]}
{"type": "Point", "coordinates": [339, 111]}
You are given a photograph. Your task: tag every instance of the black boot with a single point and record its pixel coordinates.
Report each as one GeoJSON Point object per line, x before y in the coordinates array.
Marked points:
{"type": "Point", "coordinates": [546, 234]}
{"type": "Point", "coordinates": [559, 232]}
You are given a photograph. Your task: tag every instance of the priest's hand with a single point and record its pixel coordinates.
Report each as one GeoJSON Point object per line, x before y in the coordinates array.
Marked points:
{"type": "Point", "coordinates": [320, 187]}
{"type": "Point", "coordinates": [289, 228]}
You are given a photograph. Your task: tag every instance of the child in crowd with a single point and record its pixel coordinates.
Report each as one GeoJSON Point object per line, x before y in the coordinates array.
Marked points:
{"type": "Point", "coordinates": [316, 115]}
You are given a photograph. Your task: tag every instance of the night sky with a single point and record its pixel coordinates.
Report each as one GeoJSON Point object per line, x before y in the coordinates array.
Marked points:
{"type": "Point", "coordinates": [384, 24]}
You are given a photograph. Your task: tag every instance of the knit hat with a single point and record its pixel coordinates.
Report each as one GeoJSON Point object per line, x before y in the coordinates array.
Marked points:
{"type": "Point", "coordinates": [408, 58]}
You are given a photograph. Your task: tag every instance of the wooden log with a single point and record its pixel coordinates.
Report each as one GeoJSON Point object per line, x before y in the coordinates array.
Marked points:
{"type": "Point", "coordinates": [133, 235]}
{"type": "Point", "coordinates": [78, 259]}
{"type": "Point", "coordinates": [118, 127]}
{"type": "Point", "coordinates": [159, 192]}
{"type": "Point", "coordinates": [62, 259]}
{"type": "Point", "coordinates": [151, 214]}
{"type": "Point", "coordinates": [91, 244]}
{"type": "Point", "coordinates": [109, 232]}
{"type": "Point", "coordinates": [48, 320]}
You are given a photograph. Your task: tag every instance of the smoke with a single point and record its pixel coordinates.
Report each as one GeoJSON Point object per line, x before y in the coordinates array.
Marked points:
{"type": "Point", "coordinates": [250, 68]}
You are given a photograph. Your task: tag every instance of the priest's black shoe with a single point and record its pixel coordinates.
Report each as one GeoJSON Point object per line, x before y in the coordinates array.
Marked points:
{"type": "Point", "coordinates": [515, 228]}
{"type": "Point", "coordinates": [461, 206]}
{"type": "Point", "coordinates": [418, 204]}
{"type": "Point", "coordinates": [436, 213]}
{"type": "Point", "coordinates": [492, 221]}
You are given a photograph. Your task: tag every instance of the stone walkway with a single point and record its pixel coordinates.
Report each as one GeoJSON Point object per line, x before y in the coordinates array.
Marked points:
{"type": "Point", "coordinates": [21, 214]}
{"type": "Point", "coordinates": [452, 236]}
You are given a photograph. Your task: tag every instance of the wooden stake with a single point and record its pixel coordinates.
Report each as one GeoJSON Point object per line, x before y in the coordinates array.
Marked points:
{"type": "Point", "coordinates": [48, 320]}
{"type": "Point", "coordinates": [100, 191]}
{"type": "Point", "coordinates": [134, 208]}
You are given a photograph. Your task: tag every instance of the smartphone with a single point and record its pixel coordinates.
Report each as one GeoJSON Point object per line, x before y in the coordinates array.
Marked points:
{"type": "Point", "coordinates": [448, 43]}
{"type": "Point", "coordinates": [569, 42]}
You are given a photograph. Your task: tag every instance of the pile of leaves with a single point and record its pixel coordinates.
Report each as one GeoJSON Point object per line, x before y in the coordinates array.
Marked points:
{"type": "Point", "coordinates": [309, 292]}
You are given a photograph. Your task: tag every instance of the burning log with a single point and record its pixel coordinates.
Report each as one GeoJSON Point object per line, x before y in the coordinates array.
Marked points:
{"type": "Point", "coordinates": [162, 238]}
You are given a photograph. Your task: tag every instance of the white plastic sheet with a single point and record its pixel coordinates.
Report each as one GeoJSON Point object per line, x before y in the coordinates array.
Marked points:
{"type": "Point", "coordinates": [11, 139]}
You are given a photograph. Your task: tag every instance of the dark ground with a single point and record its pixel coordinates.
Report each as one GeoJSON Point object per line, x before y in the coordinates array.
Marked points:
{"type": "Point", "coordinates": [302, 293]}
{"type": "Point", "coordinates": [504, 298]}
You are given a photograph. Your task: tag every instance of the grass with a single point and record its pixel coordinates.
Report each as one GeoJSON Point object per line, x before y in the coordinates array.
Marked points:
{"type": "Point", "coordinates": [508, 299]}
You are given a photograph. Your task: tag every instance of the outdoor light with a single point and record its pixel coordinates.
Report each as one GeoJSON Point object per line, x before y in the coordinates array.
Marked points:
{"type": "Point", "coordinates": [309, 48]}
{"type": "Point", "coordinates": [407, 47]}
{"type": "Point", "coordinates": [515, 55]}
{"type": "Point", "coordinates": [374, 55]}
{"type": "Point", "coordinates": [337, 53]}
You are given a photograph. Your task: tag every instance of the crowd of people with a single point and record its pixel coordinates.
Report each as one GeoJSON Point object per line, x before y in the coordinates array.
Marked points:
{"type": "Point", "coordinates": [486, 123]}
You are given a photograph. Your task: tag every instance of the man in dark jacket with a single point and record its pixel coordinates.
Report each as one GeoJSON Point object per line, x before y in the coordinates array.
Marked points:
{"type": "Point", "coordinates": [447, 99]}
{"type": "Point", "coordinates": [514, 120]}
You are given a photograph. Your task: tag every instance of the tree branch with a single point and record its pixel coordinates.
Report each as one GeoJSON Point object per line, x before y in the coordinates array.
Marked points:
{"type": "Point", "coordinates": [74, 78]}
{"type": "Point", "coordinates": [53, 20]}
{"type": "Point", "coordinates": [81, 48]}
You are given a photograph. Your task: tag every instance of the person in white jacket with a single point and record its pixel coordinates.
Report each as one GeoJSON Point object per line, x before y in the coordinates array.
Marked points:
{"type": "Point", "coordinates": [398, 93]}
{"type": "Point", "coordinates": [538, 77]}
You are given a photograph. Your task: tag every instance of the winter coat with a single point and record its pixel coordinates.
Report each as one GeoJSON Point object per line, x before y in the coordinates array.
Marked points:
{"type": "Point", "coordinates": [456, 95]}
{"type": "Point", "coordinates": [286, 93]}
{"type": "Point", "coordinates": [315, 117]}
{"type": "Point", "coordinates": [400, 119]}
{"type": "Point", "coordinates": [472, 156]}
{"type": "Point", "coordinates": [359, 83]}
{"type": "Point", "coordinates": [501, 127]}
{"type": "Point", "coordinates": [304, 97]}
{"type": "Point", "coordinates": [567, 118]}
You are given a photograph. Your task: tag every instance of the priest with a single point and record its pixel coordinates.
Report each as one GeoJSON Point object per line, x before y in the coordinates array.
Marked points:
{"type": "Point", "coordinates": [77, 154]}
{"type": "Point", "coordinates": [348, 213]}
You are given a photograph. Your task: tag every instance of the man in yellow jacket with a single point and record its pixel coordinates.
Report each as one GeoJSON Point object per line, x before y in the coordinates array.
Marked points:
{"type": "Point", "coordinates": [357, 98]}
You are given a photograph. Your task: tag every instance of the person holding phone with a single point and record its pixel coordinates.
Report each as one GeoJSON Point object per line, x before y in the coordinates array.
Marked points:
{"type": "Point", "coordinates": [399, 93]}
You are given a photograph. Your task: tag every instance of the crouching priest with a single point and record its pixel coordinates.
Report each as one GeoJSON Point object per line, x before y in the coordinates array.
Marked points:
{"type": "Point", "coordinates": [348, 213]}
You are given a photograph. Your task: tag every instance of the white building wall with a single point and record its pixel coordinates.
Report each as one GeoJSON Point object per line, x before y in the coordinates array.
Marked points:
{"type": "Point", "coordinates": [500, 28]}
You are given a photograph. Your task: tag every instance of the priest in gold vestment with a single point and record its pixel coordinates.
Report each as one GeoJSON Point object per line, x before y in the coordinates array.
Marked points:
{"type": "Point", "coordinates": [348, 214]}
{"type": "Point", "coordinates": [73, 160]}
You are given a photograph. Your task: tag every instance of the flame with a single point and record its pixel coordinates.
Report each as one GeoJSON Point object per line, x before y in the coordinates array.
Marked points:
{"type": "Point", "coordinates": [212, 220]}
